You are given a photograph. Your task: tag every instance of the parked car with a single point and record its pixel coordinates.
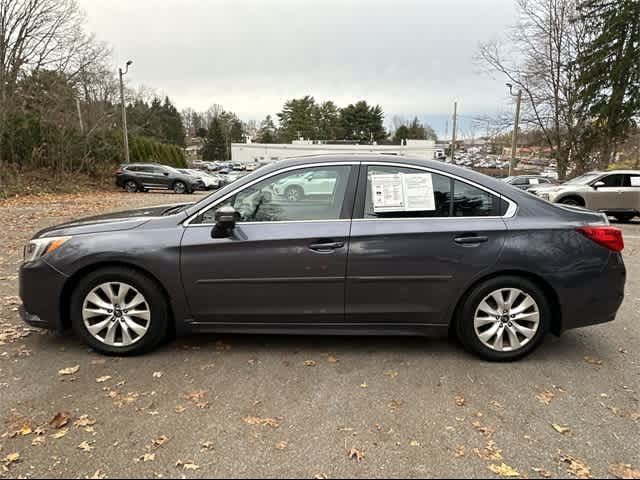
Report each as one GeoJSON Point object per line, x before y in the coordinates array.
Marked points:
{"type": "Point", "coordinates": [239, 166]}
{"type": "Point", "coordinates": [400, 246]}
{"type": "Point", "coordinates": [142, 177]}
{"type": "Point", "coordinates": [210, 182]}
{"type": "Point", "coordinates": [525, 182]}
{"type": "Point", "coordinates": [309, 184]}
{"type": "Point", "coordinates": [616, 193]}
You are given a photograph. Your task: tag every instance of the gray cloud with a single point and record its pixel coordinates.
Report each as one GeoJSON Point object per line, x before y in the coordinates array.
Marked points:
{"type": "Point", "coordinates": [410, 56]}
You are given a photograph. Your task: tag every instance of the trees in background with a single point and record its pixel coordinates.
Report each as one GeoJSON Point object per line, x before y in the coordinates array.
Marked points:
{"type": "Point", "coordinates": [413, 130]}
{"type": "Point", "coordinates": [609, 71]}
{"type": "Point", "coordinates": [267, 131]}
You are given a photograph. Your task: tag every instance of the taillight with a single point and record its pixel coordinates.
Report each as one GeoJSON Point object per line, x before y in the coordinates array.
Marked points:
{"type": "Point", "coordinates": [119, 171]}
{"type": "Point", "coordinates": [609, 237]}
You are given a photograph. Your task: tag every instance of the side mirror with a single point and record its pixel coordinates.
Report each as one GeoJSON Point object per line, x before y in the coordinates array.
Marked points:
{"type": "Point", "coordinates": [598, 185]}
{"type": "Point", "coordinates": [225, 222]}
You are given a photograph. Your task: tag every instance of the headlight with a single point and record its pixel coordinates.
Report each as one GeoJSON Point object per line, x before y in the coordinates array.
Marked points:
{"type": "Point", "coordinates": [41, 246]}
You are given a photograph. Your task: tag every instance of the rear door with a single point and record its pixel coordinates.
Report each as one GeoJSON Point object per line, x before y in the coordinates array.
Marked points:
{"type": "Point", "coordinates": [631, 192]}
{"type": "Point", "coordinates": [409, 266]}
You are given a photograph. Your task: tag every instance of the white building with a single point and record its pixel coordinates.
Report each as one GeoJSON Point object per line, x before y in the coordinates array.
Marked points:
{"type": "Point", "coordinates": [272, 152]}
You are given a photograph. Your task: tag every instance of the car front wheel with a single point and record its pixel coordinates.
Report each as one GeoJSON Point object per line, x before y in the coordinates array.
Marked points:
{"type": "Point", "coordinates": [119, 311]}
{"type": "Point", "coordinates": [504, 319]}
{"type": "Point", "coordinates": [293, 193]}
{"type": "Point", "coordinates": [180, 188]}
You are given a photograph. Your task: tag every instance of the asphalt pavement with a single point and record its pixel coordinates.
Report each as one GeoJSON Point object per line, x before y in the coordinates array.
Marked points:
{"type": "Point", "coordinates": [311, 407]}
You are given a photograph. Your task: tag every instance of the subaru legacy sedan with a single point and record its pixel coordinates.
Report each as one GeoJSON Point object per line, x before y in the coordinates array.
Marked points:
{"type": "Point", "coordinates": [396, 246]}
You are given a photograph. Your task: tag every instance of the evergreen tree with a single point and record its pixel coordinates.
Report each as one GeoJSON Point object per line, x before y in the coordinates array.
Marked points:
{"type": "Point", "coordinates": [267, 131]}
{"type": "Point", "coordinates": [297, 119]}
{"type": "Point", "coordinates": [215, 147]}
{"type": "Point", "coordinates": [609, 70]}
{"type": "Point", "coordinates": [363, 123]}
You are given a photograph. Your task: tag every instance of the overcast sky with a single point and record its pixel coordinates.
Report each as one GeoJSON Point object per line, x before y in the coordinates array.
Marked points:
{"type": "Point", "coordinates": [409, 56]}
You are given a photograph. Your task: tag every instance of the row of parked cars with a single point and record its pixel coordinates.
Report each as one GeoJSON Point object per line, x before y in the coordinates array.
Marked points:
{"type": "Point", "coordinates": [142, 177]}
{"type": "Point", "coordinates": [616, 193]}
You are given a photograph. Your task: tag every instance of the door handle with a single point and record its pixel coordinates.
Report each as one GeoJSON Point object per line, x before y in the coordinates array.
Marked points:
{"type": "Point", "coordinates": [326, 247]}
{"type": "Point", "coordinates": [471, 240]}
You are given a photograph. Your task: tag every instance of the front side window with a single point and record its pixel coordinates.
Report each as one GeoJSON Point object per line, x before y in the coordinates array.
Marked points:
{"type": "Point", "coordinates": [403, 192]}
{"type": "Point", "coordinates": [315, 193]}
{"type": "Point", "coordinates": [612, 180]}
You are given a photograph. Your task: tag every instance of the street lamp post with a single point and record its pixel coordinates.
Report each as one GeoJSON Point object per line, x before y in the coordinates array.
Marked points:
{"type": "Point", "coordinates": [125, 132]}
{"type": "Point", "coordinates": [516, 124]}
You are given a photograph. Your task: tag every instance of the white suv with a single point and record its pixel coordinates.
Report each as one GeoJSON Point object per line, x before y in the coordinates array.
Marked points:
{"type": "Point", "coordinates": [616, 193]}
{"type": "Point", "coordinates": [310, 184]}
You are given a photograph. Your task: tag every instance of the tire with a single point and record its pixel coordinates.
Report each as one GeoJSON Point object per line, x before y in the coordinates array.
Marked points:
{"type": "Point", "coordinates": [624, 217]}
{"type": "Point", "coordinates": [154, 307]}
{"type": "Point", "coordinates": [294, 193]}
{"type": "Point", "coordinates": [180, 188]}
{"type": "Point", "coordinates": [472, 307]}
{"type": "Point", "coordinates": [131, 186]}
{"type": "Point", "coordinates": [572, 201]}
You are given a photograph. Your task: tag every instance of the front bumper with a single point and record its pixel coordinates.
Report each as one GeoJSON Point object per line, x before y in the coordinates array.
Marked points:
{"type": "Point", "coordinates": [41, 289]}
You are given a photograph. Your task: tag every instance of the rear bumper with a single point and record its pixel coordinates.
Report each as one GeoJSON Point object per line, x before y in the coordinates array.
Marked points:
{"type": "Point", "coordinates": [41, 289]}
{"type": "Point", "coordinates": [596, 298]}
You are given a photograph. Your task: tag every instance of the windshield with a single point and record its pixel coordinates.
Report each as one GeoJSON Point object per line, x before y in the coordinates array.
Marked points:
{"type": "Point", "coordinates": [583, 179]}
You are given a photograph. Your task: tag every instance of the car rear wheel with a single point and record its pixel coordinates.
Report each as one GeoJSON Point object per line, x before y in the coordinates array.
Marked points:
{"type": "Point", "coordinates": [119, 311]}
{"type": "Point", "coordinates": [131, 186]}
{"type": "Point", "coordinates": [624, 217]}
{"type": "Point", "coordinates": [293, 193]}
{"type": "Point", "coordinates": [180, 188]}
{"type": "Point", "coordinates": [504, 318]}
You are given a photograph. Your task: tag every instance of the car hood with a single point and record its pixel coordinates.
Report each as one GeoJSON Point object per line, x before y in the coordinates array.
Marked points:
{"type": "Point", "coordinates": [111, 222]}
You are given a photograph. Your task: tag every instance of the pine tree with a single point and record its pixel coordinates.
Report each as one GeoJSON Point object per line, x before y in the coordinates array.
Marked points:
{"type": "Point", "coordinates": [267, 131]}
{"type": "Point", "coordinates": [609, 67]}
{"type": "Point", "coordinates": [215, 147]}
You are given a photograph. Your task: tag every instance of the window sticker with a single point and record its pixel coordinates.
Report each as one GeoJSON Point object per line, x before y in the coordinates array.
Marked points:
{"type": "Point", "coordinates": [635, 181]}
{"type": "Point", "coordinates": [403, 192]}
{"type": "Point", "coordinates": [534, 181]}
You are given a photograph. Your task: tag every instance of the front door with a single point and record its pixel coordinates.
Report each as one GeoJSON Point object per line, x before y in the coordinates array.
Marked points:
{"type": "Point", "coordinates": [608, 196]}
{"type": "Point", "coordinates": [407, 265]}
{"type": "Point", "coordinates": [285, 261]}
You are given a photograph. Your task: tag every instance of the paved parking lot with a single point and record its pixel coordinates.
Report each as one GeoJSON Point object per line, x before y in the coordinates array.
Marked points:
{"type": "Point", "coordinates": [253, 406]}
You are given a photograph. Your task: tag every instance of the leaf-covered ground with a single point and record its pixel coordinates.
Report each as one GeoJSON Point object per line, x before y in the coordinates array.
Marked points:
{"type": "Point", "coordinates": [309, 407]}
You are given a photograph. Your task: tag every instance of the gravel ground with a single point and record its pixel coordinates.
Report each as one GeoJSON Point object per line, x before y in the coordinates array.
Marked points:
{"type": "Point", "coordinates": [254, 406]}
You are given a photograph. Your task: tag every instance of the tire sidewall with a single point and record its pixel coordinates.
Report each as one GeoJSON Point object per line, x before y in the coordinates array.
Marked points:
{"type": "Point", "coordinates": [130, 182]}
{"type": "Point", "coordinates": [294, 188]}
{"type": "Point", "coordinates": [465, 321]}
{"type": "Point", "coordinates": [148, 288]}
{"type": "Point", "coordinates": [176, 188]}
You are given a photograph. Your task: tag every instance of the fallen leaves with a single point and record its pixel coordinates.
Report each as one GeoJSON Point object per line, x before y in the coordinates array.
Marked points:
{"type": "Point", "coordinates": [69, 371]}
{"type": "Point", "coordinates": [593, 361]}
{"type": "Point", "coordinates": [490, 453]}
{"type": "Point", "coordinates": [84, 421]}
{"type": "Point", "coordinates": [560, 429]}
{"type": "Point", "coordinates": [281, 445]}
{"type": "Point", "coordinates": [106, 378]}
{"type": "Point", "coordinates": [10, 460]}
{"type": "Point", "coordinates": [395, 405]}
{"type": "Point", "coordinates": [159, 442]}
{"type": "Point", "coordinates": [460, 401]}
{"type": "Point", "coordinates": [486, 431]}
{"type": "Point", "coordinates": [576, 467]}
{"type": "Point", "coordinates": [354, 453]}
{"type": "Point", "coordinates": [158, 374]}
{"type": "Point", "coordinates": [545, 397]}
{"type": "Point", "coordinates": [60, 420]}
{"type": "Point", "coordinates": [86, 446]}
{"type": "Point", "coordinates": [197, 398]}
{"type": "Point", "coordinates": [542, 472]}
{"type": "Point", "coordinates": [309, 363]}
{"type": "Point", "coordinates": [187, 465]}
{"type": "Point", "coordinates": [332, 359]}
{"type": "Point", "coordinates": [624, 471]}
{"type": "Point", "coordinates": [58, 435]}
{"type": "Point", "coordinates": [263, 422]}
{"type": "Point", "coordinates": [504, 470]}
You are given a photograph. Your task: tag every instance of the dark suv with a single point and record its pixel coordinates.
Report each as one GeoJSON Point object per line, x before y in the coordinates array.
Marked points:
{"type": "Point", "coordinates": [142, 177]}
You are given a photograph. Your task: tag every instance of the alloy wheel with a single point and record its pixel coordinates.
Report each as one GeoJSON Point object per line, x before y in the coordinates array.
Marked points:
{"type": "Point", "coordinates": [179, 188]}
{"type": "Point", "coordinates": [116, 314]}
{"type": "Point", "coordinates": [293, 194]}
{"type": "Point", "coordinates": [507, 319]}
{"type": "Point", "coordinates": [131, 187]}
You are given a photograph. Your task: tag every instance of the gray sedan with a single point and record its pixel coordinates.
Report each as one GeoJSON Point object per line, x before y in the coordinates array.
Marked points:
{"type": "Point", "coordinates": [396, 246]}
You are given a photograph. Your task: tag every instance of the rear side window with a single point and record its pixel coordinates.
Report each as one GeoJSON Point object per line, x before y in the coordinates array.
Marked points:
{"type": "Point", "coordinates": [451, 198]}
{"type": "Point", "coordinates": [632, 181]}
{"type": "Point", "coordinates": [612, 180]}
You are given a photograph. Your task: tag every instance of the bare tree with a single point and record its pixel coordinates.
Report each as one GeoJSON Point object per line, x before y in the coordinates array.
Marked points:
{"type": "Point", "coordinates": [538, 57]}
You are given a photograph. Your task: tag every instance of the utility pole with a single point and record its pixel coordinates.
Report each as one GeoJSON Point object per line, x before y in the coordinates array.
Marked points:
{"type": "Point", "coordinates": [516, 126]}
{"type": "Point", "coordinates": [125, 131]}
{"type": "Point", "coordinates": [453, 134]}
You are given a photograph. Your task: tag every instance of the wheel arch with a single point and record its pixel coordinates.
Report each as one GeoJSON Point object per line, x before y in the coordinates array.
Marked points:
{"type": "Point", "coordinates": [549, 291]}
{"type": "Point", "coordinates": [575, 196]}
{"type": "Point", "coordinates": [74, 280]}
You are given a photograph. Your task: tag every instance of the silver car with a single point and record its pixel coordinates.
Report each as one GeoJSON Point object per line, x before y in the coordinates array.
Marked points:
{"type": "Point", "coordinates": [616, 193]}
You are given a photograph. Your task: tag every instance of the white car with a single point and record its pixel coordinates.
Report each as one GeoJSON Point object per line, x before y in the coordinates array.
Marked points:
{"type": "Point", "coordinates": [307, 185]}
{"type": "Point", "coordinates": [211, 182]}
